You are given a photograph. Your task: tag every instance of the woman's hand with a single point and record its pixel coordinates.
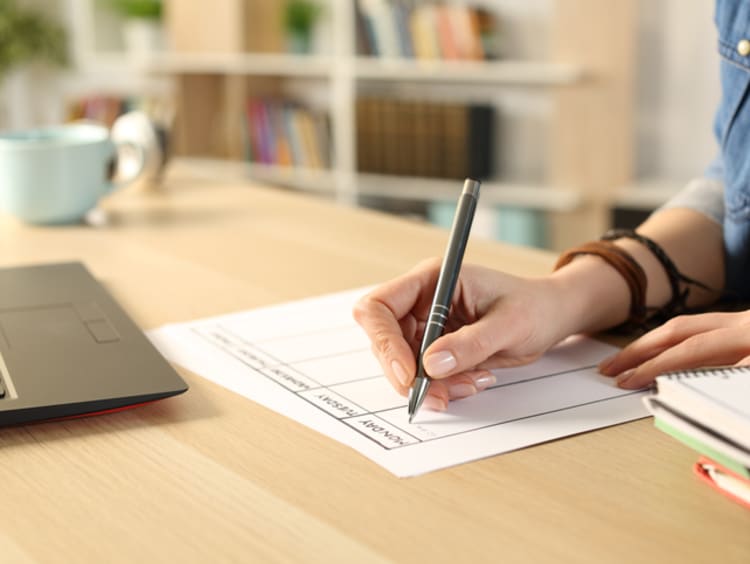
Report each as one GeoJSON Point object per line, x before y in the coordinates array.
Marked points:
{"type": "Point", "coordinates": [687, 341]}
{"type": "Point", "coordinates": [496, 320]}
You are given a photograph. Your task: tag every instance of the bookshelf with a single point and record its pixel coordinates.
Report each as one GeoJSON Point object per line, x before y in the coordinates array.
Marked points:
{"type": "Point", "coordinates": [583, 70]}
{"type": "Point", "coordinates": [502, 73]}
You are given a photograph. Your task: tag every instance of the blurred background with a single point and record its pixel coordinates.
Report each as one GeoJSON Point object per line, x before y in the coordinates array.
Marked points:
{"type": "Point", "coordinates": [577, 114]}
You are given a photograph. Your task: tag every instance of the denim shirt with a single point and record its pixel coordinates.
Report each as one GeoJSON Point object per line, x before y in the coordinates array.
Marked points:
{"type": "Point", "coordinates": [729, 174]}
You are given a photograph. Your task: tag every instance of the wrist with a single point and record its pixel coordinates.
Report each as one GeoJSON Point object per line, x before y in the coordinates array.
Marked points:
{"type": "Point", "coordinates": [592, 294]}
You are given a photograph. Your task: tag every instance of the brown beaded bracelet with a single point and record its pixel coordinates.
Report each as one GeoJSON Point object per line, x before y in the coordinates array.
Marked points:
{"type": "Point", "coordinates": [678, 302]}
{"type": "Point", "coordinates": [625, 265]}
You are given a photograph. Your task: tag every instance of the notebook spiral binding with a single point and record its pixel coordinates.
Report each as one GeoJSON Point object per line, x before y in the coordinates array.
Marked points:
{"type": "Point", "coordinates": [715, 372]}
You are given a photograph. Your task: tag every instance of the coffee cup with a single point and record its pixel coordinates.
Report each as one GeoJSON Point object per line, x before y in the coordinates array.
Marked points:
{"type": "Point", "coordinates": [58, 174]}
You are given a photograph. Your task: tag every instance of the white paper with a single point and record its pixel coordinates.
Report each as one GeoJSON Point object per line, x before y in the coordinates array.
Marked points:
{"type": "Point", "coordinates": [309, 361]}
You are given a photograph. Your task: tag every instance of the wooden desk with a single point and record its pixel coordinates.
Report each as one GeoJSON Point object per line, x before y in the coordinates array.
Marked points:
{"type": "Point", "coordinates": [210, 476]}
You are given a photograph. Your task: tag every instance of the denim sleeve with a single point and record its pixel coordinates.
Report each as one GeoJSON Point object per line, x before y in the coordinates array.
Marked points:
{"type": "Point", "coordinates": [704, 195]}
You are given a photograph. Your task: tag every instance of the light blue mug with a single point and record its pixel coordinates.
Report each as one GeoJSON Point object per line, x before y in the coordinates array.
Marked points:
{"type": "Point", "coordinates": [57, 174]}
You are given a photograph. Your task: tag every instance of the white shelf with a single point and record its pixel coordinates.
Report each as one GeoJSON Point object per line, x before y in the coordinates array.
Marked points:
{"type": "Point", "coordinates": [306, 179]}
{"type": "Point", "coordinates": [527, 73]}
{"type": "Point", "coordinates": [532, 196]}
{"type": "Point", "coordinates": [103, 63]}
{"type": "Point", "coordinates": [324, 182]}
{"type": "Point", "coordinates": [271, 64]}
{"type": "Point", "coordinates": [647, 193]}
{"type": "Point", "coordinates": [486, 72]}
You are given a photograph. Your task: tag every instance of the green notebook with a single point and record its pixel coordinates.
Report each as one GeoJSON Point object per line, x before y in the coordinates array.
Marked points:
{"type": "Point", "coordinates": [708, 410]}
{"type": "Point", "coordinates": [717, 455]}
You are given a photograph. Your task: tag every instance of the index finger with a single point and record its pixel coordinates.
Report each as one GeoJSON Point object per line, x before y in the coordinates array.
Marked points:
{"type": "Point", "coordinates": [381, 312]}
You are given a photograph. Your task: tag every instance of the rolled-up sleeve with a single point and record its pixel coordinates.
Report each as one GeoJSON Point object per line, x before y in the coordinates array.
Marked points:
{"type": "Point", "coordinates": [704, 195]}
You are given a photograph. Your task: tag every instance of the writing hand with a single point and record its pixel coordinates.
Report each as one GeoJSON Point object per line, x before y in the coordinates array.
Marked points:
{"type": "Point", "coordinates": [497, 320]}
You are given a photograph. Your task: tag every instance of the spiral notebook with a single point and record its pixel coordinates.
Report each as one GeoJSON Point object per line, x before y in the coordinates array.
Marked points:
{"type": "Point", "coordinates": [708, 409]}
{"type": "Point", "coordinates": [716, 399]}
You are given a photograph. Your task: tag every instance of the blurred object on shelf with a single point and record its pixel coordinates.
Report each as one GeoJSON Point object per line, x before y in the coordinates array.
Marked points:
{"type": "Point", "coordinates": [300, 17]}
{"type": "Point", "coordinates": [490, 34]}
{"type": "Point", "coordinates": [142, 30]}
{"type": "Point", "coordinates": [226, 26]}
{"type": "Point", "coordinates": [101, 109]}
{"type": "Point", "coordinates": [428, 30]}
{"type": "Point", "coordinates": [426, 139]}
{"type": "Point", "coordinates": [26, 36]}
{"type": "Point", "coordinates": [282, 132]}
{"type": "Point", "coordinates": [106, 108]}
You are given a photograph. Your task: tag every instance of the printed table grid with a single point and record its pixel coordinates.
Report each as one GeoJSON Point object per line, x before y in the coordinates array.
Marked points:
{"type": "Point", "coordinates": [380, 426]}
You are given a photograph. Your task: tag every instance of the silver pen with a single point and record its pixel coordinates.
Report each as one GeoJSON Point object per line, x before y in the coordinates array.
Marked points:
{"type": "Point", "coordinates": [446, 284]}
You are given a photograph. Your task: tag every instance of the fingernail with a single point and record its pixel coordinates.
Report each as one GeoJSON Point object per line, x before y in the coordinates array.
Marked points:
{"type": "Point", "coordinates": [624, 376]}
{"type": "Point", "coordinates": [606, 363]}
{"type": "Point", "coordinates": [462, 390]}
{"type": "Point", "coordinates": [400, 373]}
{"type": "Point", "coordinates": [484, 381]}
{"type": "Point", "coordinates": [439, 363]}
{"type": "Point", "coordinates": [436, 404]}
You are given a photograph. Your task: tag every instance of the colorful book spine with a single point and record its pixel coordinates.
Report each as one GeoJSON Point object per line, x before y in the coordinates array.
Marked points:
{"type": "Point", "coordinates": [424, 30]}
{"type": "Point", "coordinates": [279, 132]}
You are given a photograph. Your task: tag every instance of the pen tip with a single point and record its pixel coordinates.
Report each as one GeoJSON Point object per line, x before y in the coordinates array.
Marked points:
{"type": "Point", "coordinates": [411, 417]}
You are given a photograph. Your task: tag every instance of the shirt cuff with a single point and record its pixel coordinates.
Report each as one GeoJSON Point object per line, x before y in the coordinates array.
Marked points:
{"type": "Point", "coordinates": [704, 195]}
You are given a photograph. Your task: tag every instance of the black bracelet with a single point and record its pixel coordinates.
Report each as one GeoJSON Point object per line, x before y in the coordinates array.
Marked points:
{"type": "Point", "coordinates": [679, 298]}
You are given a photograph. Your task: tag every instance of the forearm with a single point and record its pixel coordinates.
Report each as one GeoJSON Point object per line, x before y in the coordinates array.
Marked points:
{"type": "Point", "coordinates": [696, 246]}
{"type": "Point", "coordinates": [594, 295]}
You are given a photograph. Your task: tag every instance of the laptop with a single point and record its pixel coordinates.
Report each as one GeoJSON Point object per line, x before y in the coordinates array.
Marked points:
{"type": "Point", "coordinates": [68, 349]}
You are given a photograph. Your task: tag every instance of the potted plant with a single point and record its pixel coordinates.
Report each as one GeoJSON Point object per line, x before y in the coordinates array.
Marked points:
{"type": "Point", "coordinates": [26, 36]}
{"type": "Point", "coordinates": [142, 31]}
{"type": "Point", "coordinates": [299, 20]}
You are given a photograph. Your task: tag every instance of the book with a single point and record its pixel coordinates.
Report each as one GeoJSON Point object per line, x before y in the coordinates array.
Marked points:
{"type": "Point", "coordinates": [424, 30]}
{"type": "Point", "coordinates": [717, 399]}
{"type": "Point", "coordinates": [281, 132]}
{"type": "Point", "coordinates": [422, 25]}
{"type": "Point", "coordinates": [701, 440]}
{"type": "Point", "coordinates": [402, 16]}
{"type": "Point", "coordinates": [381, 21]}
{"type": "Point", "coordinates": [480, 141]}
{"type": "Point", "coordinates": [708, 409]}
{"type": "Point", "coordinates": [425, 138]}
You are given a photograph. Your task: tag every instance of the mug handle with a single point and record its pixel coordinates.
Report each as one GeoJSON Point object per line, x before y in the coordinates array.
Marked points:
{"type": "Point", "coordinates": [140, 156]}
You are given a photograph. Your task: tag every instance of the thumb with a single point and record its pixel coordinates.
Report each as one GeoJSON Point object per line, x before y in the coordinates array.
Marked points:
{"type": "Point", "coordinates": [462, 349]}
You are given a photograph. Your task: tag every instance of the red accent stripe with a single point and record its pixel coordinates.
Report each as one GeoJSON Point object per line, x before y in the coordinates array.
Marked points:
{"type": "Point", "coordinates": [94, 413]}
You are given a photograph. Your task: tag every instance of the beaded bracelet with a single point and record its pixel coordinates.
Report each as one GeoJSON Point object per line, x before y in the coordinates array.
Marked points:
{"type": "Point", "coordinates": [625, 265]}
{"type": "Point", "coordinates": [678, 301]}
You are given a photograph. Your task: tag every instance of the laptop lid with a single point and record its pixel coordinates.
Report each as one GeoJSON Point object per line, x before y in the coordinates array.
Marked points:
{"type": "Point", "coordinates": [67, 348]}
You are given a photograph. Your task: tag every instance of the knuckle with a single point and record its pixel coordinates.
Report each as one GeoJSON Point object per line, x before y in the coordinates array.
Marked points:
{"type": "Point", "coordinates": [383, 345]}
{"type": "Point", "coordinates": [362, 308]}
{"type": "Point", "coordinates": [480, 344]}
{"type": "Point", "coordinates": [675, 325]}
{"type": "Point", "coordinates": [697, 342]}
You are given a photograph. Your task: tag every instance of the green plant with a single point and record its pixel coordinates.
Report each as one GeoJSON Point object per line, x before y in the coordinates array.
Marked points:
{"type": "Point", "coordinates": [142, 9]}
{"type": "Point", "coordinates": [26, 35]}
{"type": "Point", "coordinates": [300, 16]}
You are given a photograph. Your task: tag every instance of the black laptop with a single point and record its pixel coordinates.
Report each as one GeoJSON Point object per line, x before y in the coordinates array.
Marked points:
{"type": "Point", "coordinates": [68, 349]}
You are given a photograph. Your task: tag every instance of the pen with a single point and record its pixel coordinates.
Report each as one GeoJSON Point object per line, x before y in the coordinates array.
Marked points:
{"type": "Point", "coordinates": [441, 302]}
